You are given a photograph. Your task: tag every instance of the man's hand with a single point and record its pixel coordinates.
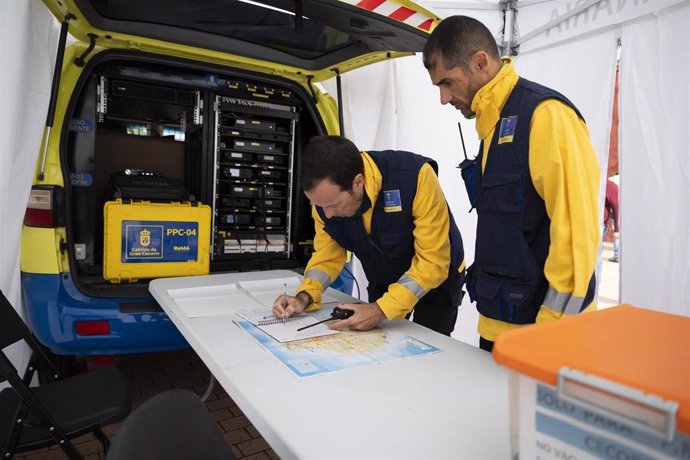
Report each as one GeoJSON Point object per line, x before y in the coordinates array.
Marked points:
{"type": "Point", "coordinates": [286, 305]}
{"type": "Point", "coordinates": [366, 316]}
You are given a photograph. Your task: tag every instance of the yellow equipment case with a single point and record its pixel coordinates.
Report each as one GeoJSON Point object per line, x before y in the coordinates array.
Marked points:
{"type": "Point", "coordinates": [145, 240]}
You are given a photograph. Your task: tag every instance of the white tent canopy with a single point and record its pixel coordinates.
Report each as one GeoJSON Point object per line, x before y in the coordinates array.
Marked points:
{"type": "Point", "coordinates": [570, 45]}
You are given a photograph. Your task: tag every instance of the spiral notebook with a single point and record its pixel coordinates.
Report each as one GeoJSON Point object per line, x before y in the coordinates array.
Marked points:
{"type": "Point", "coordinates": [285, 332]}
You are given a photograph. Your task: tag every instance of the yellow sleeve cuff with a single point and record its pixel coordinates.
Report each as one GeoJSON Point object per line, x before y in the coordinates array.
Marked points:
{"type": "Point", "coordinates": [314, 289]}
{"type": "Point", "coordinates": [397, 302]}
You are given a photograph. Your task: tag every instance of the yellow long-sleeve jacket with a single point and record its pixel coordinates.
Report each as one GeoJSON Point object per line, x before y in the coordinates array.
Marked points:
{"type": "Point", "coordinates": [429, 266]}
{"type": "Point", "coordinates": [566, 174]}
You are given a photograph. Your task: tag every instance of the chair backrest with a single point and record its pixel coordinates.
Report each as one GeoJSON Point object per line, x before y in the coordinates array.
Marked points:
{"type": "Point", "coordinates": [12, 330]}
{"type": "Point", "coordinates": [174, 425]}
{"type": "Point", "coordinates": [54, 409]}
{"type": "Point", "coordinates": [12, 327]}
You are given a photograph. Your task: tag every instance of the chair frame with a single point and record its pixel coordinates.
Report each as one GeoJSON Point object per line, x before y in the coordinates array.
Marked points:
{"type": "Point", "coordinates": [27, 401]}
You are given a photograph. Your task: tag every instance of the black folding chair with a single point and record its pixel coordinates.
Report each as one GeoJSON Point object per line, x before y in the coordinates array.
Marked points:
{"type": "Point", "coordinates": [54, 412]}
{"type": "Point", "coordinates": [173, 425]}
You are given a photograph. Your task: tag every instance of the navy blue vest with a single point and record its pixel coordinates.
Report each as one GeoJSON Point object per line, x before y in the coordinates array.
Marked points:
{"type": "Point", "coordinates": [387, 253]}
{"type": "Point", "coordinates": [507, 278]}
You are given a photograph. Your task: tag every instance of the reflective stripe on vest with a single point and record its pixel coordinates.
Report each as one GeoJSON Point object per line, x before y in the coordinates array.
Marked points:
{"type": "Point", "coordinates": [412, 286]}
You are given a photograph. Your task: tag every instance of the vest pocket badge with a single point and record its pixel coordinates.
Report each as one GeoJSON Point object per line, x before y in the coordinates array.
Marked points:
{"type": "Point", "coordinates": [507, 129]}
{"type": "Point", "coordinates": [391, 201]}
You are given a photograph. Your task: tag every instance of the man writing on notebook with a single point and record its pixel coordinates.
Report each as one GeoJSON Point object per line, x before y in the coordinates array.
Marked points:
{"type": "Point", "coordinates": [389, 210]}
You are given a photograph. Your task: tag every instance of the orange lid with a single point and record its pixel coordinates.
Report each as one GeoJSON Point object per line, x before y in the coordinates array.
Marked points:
{"type": "Point", "coordinates": [636, 347]}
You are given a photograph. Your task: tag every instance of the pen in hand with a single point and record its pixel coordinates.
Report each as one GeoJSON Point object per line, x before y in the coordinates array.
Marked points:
{"type": "Point", "coordinates": [285, 302]}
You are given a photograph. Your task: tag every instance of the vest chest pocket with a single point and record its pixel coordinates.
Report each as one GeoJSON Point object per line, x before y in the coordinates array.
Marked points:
{"type": "Point", "coordinates": [505, 297]}
{"type": "Point", "coordinates": [501, 192]}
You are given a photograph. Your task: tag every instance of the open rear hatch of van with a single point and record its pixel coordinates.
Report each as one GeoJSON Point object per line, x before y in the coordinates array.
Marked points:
{"type": "Point", "coordinates": [166, 131]}
{"type": "Point", "coordinates": [209, 103]}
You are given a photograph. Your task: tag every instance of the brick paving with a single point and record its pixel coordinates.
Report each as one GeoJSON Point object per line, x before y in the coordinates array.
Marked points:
{"type": "Point", "coordinates": [153, 373]}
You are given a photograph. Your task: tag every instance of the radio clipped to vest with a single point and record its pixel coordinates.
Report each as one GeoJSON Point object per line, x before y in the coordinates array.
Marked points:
{"type": "Point", "coordinates": [469, 173]}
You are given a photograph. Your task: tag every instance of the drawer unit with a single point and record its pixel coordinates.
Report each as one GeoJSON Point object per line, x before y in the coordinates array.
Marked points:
{"type": "Point", "coordinates": [253, 190]}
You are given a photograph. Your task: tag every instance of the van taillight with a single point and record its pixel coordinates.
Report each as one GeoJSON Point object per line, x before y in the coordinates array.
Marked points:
{"type": "Point", "coordinates": [44, 208]}
{"type": "Point", "coordinates": [92, 327]}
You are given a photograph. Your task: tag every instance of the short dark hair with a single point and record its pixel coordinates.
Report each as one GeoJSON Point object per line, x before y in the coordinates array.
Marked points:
{"type": "Point", "coordinates": [456, 39]}
{"type": "Point", "coordinates": [330, 157]}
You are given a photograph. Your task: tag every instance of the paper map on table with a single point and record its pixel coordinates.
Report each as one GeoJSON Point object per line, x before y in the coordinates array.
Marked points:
{"type": "Point", "coordinates": [346, 350]}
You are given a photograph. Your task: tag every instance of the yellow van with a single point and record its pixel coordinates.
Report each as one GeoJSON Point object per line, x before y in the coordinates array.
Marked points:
{"type": "Point", "coordinates": [172, 148]}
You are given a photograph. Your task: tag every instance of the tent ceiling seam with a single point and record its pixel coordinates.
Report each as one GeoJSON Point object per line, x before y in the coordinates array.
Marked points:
{"type": "Point", "coordinates": [554, 22]}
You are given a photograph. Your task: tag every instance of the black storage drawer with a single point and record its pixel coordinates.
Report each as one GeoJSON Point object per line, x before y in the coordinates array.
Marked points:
{"type": "Point", "coordinates": [230, 172]}
{"type": "Point", "coordinates": [253, 123]}
{"type": "Point", "coordinates": [261, 146]}
{"type": "Point", "coordinates": [235, 219]}
{"type": "Point", "coordinates": [231, 157]}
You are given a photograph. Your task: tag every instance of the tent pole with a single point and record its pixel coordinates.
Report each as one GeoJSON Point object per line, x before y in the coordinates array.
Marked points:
{"type": "Point", "coordinates": [509, 35]}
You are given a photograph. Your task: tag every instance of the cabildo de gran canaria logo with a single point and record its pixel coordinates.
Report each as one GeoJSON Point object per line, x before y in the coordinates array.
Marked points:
{"type": "Point", "coordinates": [142, 242]}
{"type": "Point", "coordinates": [145, 237]}
{"type": "Point", "coordinates": [159, 241]}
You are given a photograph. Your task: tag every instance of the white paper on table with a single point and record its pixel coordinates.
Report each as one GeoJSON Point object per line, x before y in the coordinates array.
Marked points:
{"type": "Point", "coordinates": [196, 307]}
{"type": "Point", "coordinates": [273, 285]}
{"type": "Point", "coordinates": [268, 291]}
{"type": "Point", "coordinates": [203, 291]}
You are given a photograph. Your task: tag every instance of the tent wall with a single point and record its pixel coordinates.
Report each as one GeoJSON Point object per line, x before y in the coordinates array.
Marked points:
{"type": "Point", "coordinates": [29, 33]}
{"type": "Point", "coordinates": [654, 161]}
{"type": "Point", "coordinates": [547, 23]}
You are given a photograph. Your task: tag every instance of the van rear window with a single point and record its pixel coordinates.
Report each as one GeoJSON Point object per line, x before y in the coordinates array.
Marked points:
{"type": "Point", "coordinates": [260, 23]}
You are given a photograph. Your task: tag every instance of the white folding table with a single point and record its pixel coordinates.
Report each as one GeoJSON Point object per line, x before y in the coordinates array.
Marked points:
{"type": "Point", "coordinates": [452, 404]}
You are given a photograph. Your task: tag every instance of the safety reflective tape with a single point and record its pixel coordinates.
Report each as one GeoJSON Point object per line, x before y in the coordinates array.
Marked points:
{"type": "Point", "coordinates": [563, 302]}
{"type": "Point", "coordinates": [320, 276]}
{"type": "Point", "coordinates": [395, 11]}
{"type": "Point", "coordinates": [461, 268]}
{"type": "Point", "coordinates": [412, 286]}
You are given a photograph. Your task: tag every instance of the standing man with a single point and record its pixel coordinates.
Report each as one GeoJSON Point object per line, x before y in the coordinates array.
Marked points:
{"type": "Point", "coordinates": [389, 210]}
{"type": "Point", "coordinates": [536, 184]}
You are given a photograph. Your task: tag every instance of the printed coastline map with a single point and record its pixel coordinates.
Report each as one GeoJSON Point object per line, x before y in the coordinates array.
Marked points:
{"type": "Point", "coordinates": [347, 350]}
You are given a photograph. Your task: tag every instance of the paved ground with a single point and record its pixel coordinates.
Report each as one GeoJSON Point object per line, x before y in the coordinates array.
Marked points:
{"type": "Point", "coordinates": [154, 373]}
